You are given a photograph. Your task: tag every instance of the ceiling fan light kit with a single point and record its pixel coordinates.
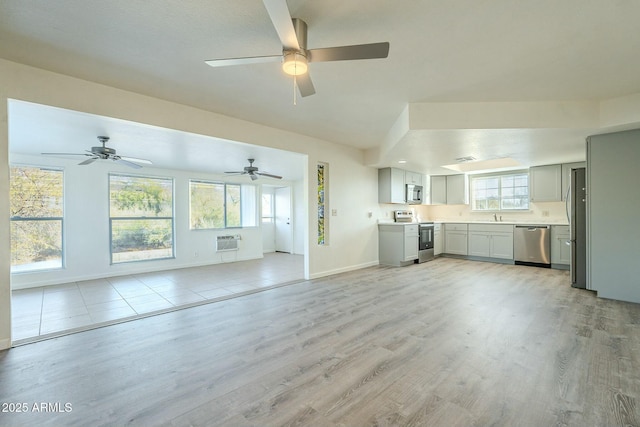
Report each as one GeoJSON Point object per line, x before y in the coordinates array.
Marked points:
{"type": "Point", "coordinates": [295, 63]}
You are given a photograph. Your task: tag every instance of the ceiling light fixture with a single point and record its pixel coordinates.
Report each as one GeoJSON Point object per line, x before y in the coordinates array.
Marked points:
{"type": "Point", "coordinates": [465, 159]}
{"type": "Point", "coordinates": [295, 63]}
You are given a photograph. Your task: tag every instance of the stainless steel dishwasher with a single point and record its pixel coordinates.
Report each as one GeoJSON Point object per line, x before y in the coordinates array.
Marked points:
{"type": "Point", "coordinates": [532, 245]}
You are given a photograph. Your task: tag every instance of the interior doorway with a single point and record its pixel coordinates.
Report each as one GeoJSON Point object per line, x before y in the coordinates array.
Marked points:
{"type": "Point", "coordinates": [283, 222]}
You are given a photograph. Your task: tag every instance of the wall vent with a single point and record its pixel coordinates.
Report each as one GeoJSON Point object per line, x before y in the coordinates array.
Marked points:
{"type": "Point", "coordinates": [227, 243]}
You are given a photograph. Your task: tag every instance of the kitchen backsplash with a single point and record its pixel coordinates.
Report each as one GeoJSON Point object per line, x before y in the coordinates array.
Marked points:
{"type": "Point", "coordinates": [546, 213]}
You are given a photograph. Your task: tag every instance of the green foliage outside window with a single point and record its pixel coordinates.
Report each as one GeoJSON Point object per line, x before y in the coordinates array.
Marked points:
{"type": "Point", "coordinates": [215, 205]}
{"type": "Point", "coordinates": [36, 210]}
{"type": "Point", "coordinates": [141, 210]}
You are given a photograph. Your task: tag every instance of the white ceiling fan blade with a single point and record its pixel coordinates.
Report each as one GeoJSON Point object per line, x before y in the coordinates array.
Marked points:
{"type": "Point", "coordinates": [65, 154]}
{"type": "Point", "coordinates": [305, 86]}
{"type": "Point", "coordinates": [235, 173]}
{"type": "Point", "coordinates": [281, 19]}
{"type": "Point", "coordinates": [269, 175]}
{"type": "Point", "coordinates": [88, 161]}
{"type": "Point", "coordinates": [347, 53]}
{"type": "Point", "coordinates": [243, 61]}
{"type": "Point", "coordinates": [127, 163]}
{"type": "Point", "coordinates": [136, 160]}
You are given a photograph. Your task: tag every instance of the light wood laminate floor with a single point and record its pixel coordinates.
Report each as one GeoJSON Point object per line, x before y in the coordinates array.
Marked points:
{"type": "Point", "coordinates": [444, 343]}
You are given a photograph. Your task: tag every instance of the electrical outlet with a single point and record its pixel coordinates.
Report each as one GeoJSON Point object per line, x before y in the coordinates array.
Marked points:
{"type": "Point", "coordinates": [545, 213]}
{"type": "Point", "coordinates": [195, 254]}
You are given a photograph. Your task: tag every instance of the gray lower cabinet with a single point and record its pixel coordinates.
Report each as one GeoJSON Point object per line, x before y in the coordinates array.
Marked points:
{"type": "Point", "coordinates": [491, 241]}
{"type": "Point", "coordinates": [398, 244]}
{"type": "Point", "coordinates": [438, 241]}
{"type": "Point", "coordinates": [560, 250]}
{"type": "Point", "coordinates": [455, 239]}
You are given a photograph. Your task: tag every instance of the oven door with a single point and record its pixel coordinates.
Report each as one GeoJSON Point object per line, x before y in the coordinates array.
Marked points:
{"type": "Point", "coordinates": [425, 240]}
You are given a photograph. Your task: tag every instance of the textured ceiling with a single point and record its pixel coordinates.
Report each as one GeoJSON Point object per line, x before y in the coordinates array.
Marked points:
{"type": "Point", "coordinates": [441, 51]}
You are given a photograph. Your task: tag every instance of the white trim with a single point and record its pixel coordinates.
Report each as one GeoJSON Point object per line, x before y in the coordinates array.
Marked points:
{"type": "Point", "coordinates": [343, 269]}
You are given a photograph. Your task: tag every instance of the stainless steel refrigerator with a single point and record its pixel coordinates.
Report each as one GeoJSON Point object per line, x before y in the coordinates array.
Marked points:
{"type": "Point", "coordinates": [578, 222]}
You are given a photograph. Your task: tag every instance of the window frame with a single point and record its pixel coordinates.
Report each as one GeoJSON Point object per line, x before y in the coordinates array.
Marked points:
{"type": "Point", "coordinates": [15, 219]}
{"type": "Point", "coordinates": [225, 196]}
{"type": "Point", "coordinates": [501, 198]}
{"type": "Point", "coordinates": [271, 217]}
{"type": "Point", "coordinates": [142, 218]}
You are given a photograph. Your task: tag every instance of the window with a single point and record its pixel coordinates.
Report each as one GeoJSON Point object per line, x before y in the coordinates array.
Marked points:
{"type": "Point", "coordinates": [507, 191]}
{"type": "Point", "coordinates": [221, 205]}
{"type": "Point", "coordinates": [141, 218]}
{"type": "Point", "coordinates": [267, 208]}
{"type": "Point", "coordinates": [36, 209]}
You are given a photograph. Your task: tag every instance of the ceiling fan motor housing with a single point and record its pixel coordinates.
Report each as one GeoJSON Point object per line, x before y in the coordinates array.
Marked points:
{"type": "Point", "coordinates": [103, 151]}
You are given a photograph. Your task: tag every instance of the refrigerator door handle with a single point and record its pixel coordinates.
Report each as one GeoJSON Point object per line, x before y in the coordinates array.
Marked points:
{"type": "Point", "coordinates": [566, 202]}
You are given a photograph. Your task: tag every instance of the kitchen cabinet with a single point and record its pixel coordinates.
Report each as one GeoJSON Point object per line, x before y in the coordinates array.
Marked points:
{"type": "Point", "coordinates": [391, 187]}
{"type": "Point", "coordinates": [449, 190]}
{"type": "Point", "coordinates": [392, 184]}
{"type": "Point", "coordinates": [491, 240]}
{"type": "Point", "coordinates": [398, 244]}
{"type": "Point", "coordinates": [455, 239]}
{"type": "Point", "coordinates": [438, 241]}
{"type": "Point", "coordinates": [411, 238]}
{"type": "Point", "coordinates": [457, 190]}
{"type": "Point", "coordinates": [566, 175]}
{"type": "Point", "coordinates": [560, 250]}
{"type": "Point", "coordinates": [438, 190]}
{"type": "Point", "coordinates": [546, 183]}
{"type": "Point", "coordinates": [412, 178]}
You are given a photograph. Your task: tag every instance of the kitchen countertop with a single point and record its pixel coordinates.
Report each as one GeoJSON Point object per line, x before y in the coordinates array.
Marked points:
{"type": "Point", "coordinates": [442, 221]}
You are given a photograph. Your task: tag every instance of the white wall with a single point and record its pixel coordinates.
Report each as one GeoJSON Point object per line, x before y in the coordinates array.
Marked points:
{"type": "Point", "coordinates": [353, 185]}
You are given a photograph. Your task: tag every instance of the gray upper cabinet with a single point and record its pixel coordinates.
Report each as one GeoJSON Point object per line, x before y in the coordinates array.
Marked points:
{"type": "Point", "coordinates": [449, 190]}
{"type": "Point", "coordinates": [546, 183]}
{"type": "Point", "coordinates": [412, 178]}
{"type": "Point", "coordinates": [438, 190]}
{"type": "Point", "coordinates": [391, 187]}
{"type": "Point", "coordinates": [392, 184]}
{"type": "Point", "coordinates": [457, 190]}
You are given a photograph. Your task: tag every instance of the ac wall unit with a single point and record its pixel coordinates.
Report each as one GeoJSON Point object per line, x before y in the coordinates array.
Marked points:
{"type": "Point", "coordinates": [227, 243]}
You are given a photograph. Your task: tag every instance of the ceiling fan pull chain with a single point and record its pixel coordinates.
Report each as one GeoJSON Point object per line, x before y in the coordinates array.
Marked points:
{"type": "Point", "coordinates": [295, 84]}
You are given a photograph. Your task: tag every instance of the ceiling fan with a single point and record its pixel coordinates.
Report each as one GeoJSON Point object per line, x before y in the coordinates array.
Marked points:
{"type": "Point", "coordinates": [253, 173]}
{"type": "Point", "coordinates": [295, 56]}
{"type": "Point", "coordinates": [104, 153]}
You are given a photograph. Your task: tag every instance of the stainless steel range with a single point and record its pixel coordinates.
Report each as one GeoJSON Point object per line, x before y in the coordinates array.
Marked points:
{"type": "Point", "coordinates": [425, 242]}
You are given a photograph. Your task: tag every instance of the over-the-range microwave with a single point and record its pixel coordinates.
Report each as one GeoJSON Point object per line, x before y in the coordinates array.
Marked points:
{"type": "Point", "coordinates": [414, 194]}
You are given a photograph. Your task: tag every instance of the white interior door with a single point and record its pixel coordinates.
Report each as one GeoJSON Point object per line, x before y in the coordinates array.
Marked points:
{"type": "Point", "coordinates": [268, 219]}
{"type": "Point", "coordinates": [284, 228]}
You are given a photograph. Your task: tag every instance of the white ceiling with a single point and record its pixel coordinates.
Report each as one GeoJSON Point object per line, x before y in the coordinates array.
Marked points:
{"type": "Point", "coordinates": [35, 129]}
{"type": "Point", "coordinates": [441, 52]}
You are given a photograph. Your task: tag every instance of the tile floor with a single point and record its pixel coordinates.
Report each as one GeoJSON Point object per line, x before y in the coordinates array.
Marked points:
{"type": "Point", "coordinates": [48, 311]}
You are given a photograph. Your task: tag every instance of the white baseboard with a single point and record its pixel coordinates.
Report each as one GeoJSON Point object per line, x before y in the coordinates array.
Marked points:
{"type": "Point", "coordinates": [343, 269]}
{"type": "Point", "coordinates": [5, 343]}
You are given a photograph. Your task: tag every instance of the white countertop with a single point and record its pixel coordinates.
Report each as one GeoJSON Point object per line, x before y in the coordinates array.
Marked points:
{"type": "Point", "coordinates": [449, 221]}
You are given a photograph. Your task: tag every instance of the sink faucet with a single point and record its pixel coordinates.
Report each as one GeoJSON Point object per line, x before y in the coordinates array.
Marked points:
{"type": "Point", "coordinates": [495, 217]}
